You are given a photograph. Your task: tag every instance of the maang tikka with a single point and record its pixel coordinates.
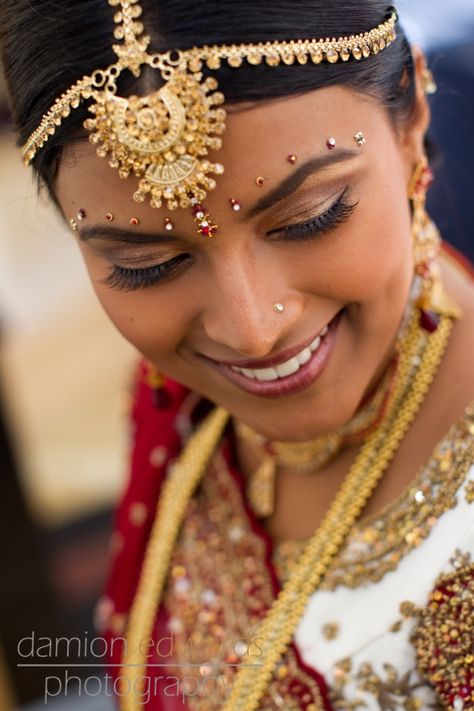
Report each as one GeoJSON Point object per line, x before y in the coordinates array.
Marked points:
{"type": "Point", "coordinates": [164, 138]}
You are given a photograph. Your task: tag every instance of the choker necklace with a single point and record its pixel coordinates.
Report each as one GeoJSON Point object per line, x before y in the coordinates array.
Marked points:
{"type": "Point", "coordinates": [310, 456]}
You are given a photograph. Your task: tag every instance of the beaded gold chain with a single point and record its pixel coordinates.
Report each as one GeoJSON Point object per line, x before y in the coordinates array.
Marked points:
{"type": "Point", "coordinates": [417, 370]}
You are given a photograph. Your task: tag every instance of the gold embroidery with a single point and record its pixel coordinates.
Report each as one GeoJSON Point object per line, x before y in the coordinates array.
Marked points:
{"type": "Point", "coordinates": [377, 544]}
{"type": "Point", "coordinates": [394, 691]}
{"type": "Point", "coordinates": [219, 558]}
{"type": "Point", "coordinates": [460, 559]}
{"type": "Point", "coordinates": [217, 591]}
{"type": "Point", "coordinates": [331, 630]}
{"type": "Point", "coordinates": [469, 491]}
{"type": "Point", "coordinates": [443, 639]}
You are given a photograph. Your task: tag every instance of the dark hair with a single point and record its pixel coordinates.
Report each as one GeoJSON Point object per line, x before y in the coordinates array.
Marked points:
{"type": "Point", "coordinates": [47, 45]}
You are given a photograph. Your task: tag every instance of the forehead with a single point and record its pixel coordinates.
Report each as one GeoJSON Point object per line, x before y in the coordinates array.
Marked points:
{"type": "Point", "coordinates": [257, 140]}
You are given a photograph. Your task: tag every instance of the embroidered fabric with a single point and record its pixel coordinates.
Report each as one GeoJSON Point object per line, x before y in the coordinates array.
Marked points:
{"type": "Point", "coordinates": [376, 546]}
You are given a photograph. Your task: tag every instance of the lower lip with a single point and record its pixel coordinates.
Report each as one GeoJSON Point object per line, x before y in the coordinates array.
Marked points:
{"type": "Point", "coordinates": [303, 378]}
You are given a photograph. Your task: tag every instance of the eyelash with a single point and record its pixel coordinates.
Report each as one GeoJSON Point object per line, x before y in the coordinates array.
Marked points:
{"type": "Point", "coordinates": [125, 279]}
{"type": "Point", "coordinates": [335, 215]}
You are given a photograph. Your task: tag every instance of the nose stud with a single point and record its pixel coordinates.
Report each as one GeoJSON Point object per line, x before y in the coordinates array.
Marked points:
{"type": "Point", "coordinates": [278, 308]}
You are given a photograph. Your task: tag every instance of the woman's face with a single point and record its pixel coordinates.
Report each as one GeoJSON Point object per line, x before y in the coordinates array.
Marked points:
{"type": "Point", "coordinates": [327, 236]}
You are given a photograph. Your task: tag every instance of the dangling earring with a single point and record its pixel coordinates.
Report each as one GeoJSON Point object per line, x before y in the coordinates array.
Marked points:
{"type": "Point", "coordinates": [426, 243]}
{"type": "Point", "coordinates": [432, 299]}
{"type": "Point", "coordinates": [160, 397]}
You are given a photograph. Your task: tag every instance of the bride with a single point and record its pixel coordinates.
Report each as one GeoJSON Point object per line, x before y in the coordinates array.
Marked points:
{"type": "Point", "coordinates": [297, 531]}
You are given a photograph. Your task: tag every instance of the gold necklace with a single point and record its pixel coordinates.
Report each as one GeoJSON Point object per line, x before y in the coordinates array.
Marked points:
{"type": "Point", "coordinates": [310, 456]}
{"type": "Point", "coordinates": [277, 628]}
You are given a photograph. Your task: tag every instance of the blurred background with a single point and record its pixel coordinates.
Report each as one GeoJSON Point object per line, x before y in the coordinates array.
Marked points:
{"type": "Point", "coordinates": [65, 376]}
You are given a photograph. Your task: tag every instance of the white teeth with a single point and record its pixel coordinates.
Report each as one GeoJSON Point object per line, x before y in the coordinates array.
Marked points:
{"type": "Point", "coordinates": [291, 366]}
{"type": "Point", "coordinates": [304, 356]}
{"type": "Point", "coordinates": [247, 372]}
{"type": "Point", "coordinates": [284, 369]}
{"type": "Point", "coordinates": [266, 374]}
{"type": "Point", "coordinates": [315, 344]}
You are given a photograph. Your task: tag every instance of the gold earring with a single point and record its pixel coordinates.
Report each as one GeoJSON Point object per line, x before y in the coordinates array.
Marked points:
{"type": "Point", "coordinates": [432, 300]}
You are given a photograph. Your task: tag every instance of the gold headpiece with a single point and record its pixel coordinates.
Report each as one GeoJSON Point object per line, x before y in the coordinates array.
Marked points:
{"type": "Point", "coordinates": [163, 138]}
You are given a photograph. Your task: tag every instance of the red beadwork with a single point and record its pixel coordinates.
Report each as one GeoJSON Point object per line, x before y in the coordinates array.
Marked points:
{"type": "Point", "coordinates": [201, 216]}
{"type": "Point", "coordinates": [429, 321]}
{"type": "Point", "coordinates": [443, 639]}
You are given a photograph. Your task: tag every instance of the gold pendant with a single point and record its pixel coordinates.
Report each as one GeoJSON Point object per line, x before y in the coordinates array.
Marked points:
{"type": "Point", "coordinates": [261, 488]}
{"type": "Point", "coordinates": [163, 137]}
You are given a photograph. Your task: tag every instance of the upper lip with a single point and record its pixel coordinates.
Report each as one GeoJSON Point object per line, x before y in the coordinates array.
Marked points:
{"type": "Point", "coordinates": [281, 357]}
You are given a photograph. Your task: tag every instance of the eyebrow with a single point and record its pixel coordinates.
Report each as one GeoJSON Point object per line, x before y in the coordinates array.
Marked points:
{"type": "Point", "coordinates": [290, 184]}
{"type": "Point", "coordinates": [119, 234]}
{"type": "Point", "coordinates": [281, 191]}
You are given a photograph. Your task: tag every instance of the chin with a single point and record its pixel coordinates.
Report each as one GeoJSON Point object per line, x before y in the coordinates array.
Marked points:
{"type": "Point", "coordinates": [297, 425]}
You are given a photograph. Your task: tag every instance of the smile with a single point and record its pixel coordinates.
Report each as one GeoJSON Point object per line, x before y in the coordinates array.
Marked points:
{"type": "Point", "coordinates": [288, 373]}
{"type": "Point", "coordinates": [288, 367]}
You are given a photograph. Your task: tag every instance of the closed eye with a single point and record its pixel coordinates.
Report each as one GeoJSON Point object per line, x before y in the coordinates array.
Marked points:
{"type": "Point", "coordinates": [335, 215]}
{"type": "Point", "coordinates": [124, 279]}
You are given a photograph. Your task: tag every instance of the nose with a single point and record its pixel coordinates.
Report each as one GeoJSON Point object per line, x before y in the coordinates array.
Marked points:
{"type": "Point", "coordinates": [240, 313]}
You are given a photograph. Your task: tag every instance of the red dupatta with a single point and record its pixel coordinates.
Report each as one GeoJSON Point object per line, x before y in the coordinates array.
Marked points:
{"type": "Point", "coordinates": [157, 438]}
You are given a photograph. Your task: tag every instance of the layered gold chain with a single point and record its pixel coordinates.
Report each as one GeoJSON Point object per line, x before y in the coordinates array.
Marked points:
{"type": "Point", "coordinates": [417, 368]}
{"type": "Point", "coordinates": [278, 626]}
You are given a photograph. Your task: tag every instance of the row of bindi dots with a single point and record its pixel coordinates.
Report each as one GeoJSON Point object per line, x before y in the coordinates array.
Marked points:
{"type": "Point", "coordinates": [199, 211]}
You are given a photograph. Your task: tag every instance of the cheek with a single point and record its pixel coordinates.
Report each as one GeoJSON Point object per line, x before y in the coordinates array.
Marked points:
{"type": "Point", "coordinates": [147, 318]}
{"type": "Point", "coordinates": [369, 259]}
{"type": "Point", "coordinates": [148, 321]}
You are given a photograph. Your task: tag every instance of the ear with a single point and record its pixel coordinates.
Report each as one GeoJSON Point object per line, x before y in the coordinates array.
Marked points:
{"type": "Point", "coordinates": [413, 131]}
